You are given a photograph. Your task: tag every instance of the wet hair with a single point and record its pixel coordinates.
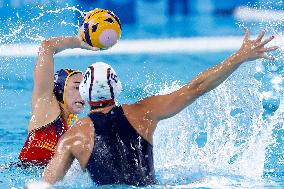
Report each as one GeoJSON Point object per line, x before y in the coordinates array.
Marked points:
{"type": "Point", "coordinates": [61, 78]}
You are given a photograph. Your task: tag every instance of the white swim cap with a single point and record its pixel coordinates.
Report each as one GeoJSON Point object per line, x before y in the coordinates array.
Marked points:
{"type": "Point", "coordinates": [100, 83]}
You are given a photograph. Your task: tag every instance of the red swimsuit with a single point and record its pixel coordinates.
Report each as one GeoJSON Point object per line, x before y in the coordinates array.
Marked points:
{"type": "Point", "coordinates": [40, 145]}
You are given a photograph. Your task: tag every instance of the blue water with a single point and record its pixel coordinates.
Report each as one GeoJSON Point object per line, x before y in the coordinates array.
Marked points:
{"type": "Point", "coordinates": [178, 139]}
{"type": "Point", "coordinates": [231, 137]}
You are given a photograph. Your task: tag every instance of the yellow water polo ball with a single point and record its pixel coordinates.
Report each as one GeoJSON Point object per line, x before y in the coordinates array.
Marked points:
{"type": "Point", "coordinates": [101, 28]}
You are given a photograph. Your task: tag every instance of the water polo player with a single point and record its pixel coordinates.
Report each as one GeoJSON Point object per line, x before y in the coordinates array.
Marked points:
{"type": "Point", "coordinates": [114, 143]}
{"type": "Point", "coordinates": [55, 102]}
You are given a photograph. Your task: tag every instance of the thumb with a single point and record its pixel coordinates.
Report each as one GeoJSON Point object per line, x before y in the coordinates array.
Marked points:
{"type": "Point", "coordinates": [85, 45]}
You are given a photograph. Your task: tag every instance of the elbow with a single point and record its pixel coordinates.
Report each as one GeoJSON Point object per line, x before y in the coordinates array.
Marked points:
{"type": "Point", "coordinates": [199, 90]}
{"type": "Point", "coordinates": [198, 87]}
{"type": "Point", "coordinates": [46, 46]}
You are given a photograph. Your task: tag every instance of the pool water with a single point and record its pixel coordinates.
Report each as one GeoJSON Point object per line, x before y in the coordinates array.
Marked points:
{"type": "Point", "coordinates": [223, 139]}
{"type": "Point", "coordinates": [231, 137]}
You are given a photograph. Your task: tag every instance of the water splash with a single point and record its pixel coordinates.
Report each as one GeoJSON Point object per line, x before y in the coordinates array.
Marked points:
{"type": "Point", "coordinates": [233, 133]}
{"type": "Point", "coordinates": [35, 23]}
{"type": "Point", "coordinates": [81, 178]}
{"type": "Point", "coordinates": [270, 74]}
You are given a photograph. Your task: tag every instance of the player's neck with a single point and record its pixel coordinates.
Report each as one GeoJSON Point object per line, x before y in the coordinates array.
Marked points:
{"type": "Point", "coordinates": [102, 110]}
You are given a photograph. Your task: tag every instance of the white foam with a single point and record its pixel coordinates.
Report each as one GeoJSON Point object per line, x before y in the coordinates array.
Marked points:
{"type": "Point", "coordinates": [234, 143]}
{"type": "Point", "coordinates": [152, 46]}
{"type": "Point", "coordinates": [259, 15]}
{"type": "Point", "coordinates": [148, 46]}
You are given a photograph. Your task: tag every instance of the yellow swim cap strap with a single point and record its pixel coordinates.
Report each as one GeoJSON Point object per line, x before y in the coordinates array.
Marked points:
{"type": "Point", "coordinates": [66, 82]}
{"type": "Point", "coordinates": [72, 118]}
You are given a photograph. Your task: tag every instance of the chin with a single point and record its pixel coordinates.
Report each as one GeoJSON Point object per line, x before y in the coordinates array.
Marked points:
{"type": "Point", "coordinates": [78, 110]}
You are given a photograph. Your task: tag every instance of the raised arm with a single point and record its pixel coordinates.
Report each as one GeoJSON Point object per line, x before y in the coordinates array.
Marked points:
{"type": "Point", "coordinates": [164, 106]}
{"type": "Point", "coordinates": [45, 107]}
{"type": "Point", "coordinates": [44, 67]}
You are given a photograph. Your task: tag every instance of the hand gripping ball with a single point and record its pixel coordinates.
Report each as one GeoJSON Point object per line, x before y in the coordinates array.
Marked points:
{"type": "Point", "coordinates": [101, 28]}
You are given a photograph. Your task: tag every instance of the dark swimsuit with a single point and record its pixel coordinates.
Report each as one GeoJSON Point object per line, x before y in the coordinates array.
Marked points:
{"type": "Point", "coordinates": [120, 154]}
{"type": "Point", "coordinates": [40, 145]}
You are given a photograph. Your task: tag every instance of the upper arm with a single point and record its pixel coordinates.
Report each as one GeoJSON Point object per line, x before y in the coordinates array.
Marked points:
{"type": "Point", "coordinates": [44, 71]}
{"type": "Point", "coordinates": [165, 106]}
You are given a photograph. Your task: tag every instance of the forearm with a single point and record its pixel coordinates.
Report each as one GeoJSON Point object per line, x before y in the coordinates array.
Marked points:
{"type": "Point", "coordinates": [250, 50]}
{"type": "Point", "coordinates": [211, 78]}
{"type": "Point", "coordinates": [58, 44]}
{"type": "Point", "coordinates": [56, 169]}
{"type": "Point", "coordinates": [50, 176]}
{"type": "Point", "coordinates": [164, 106]}
{"type": "Point", "coordinates": [202, 83]}
{"type": "Point", "coordinates": [59, 165]}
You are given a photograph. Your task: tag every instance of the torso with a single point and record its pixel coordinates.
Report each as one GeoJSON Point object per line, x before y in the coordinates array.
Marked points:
{"type": "Point", "coordinates": [40, 144]}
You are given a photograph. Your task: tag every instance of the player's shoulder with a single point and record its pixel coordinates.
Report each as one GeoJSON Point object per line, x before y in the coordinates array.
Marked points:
{"type": "Point", "coordinates": [84, 121]}
{"type": "Point", "coordinates": [82, 126]}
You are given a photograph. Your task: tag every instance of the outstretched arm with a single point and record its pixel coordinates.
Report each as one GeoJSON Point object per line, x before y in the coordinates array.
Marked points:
{"type": "Point", "coordinates": [164, 106]}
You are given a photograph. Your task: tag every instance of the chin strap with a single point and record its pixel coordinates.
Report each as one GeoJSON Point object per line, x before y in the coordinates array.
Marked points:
{"type": "Point", "coordinates": [101, 104]}
{"type": "Point", "coordinates": [72, 118]}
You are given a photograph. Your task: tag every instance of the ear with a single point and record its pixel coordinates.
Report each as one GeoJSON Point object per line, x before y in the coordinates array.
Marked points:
{"type": "Point", "coordinates": [58, 92]}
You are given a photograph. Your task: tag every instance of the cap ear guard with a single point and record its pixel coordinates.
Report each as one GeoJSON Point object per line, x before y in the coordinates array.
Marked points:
{"type": "Point", "coordinates": [61, 78]}
{"type": "Point", "coordinates": [114, 83]}
{"type": "Point", "coordinates": [84, 91]}
{"type": "Point", "coordinates": [58, 92]}
{"type": "Point", "coordinates": [59, 82]}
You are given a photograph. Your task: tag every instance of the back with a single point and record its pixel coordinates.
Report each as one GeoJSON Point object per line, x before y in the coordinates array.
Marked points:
{"type": "Point", "coordinates": [120, 154]}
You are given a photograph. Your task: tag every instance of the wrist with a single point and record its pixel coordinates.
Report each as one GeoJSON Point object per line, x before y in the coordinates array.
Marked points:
{"type": "Point", "coordinates": [239, 57]}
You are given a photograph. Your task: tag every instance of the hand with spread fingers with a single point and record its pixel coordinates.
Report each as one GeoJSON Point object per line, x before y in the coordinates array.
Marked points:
{"type": "Point", "coordinates": [254, 49]}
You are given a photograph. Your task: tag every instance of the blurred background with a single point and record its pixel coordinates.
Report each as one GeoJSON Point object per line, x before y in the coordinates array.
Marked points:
{"type": "Point", "coordinates": [140, 18]}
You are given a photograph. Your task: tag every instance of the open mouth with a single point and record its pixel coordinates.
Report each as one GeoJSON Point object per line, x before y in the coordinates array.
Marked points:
{"type": "Point", "coordinates": [82, 103]}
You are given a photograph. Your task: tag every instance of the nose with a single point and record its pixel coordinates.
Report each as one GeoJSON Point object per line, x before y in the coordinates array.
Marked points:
{"type": "Point", "coordinates": [80, 98]}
